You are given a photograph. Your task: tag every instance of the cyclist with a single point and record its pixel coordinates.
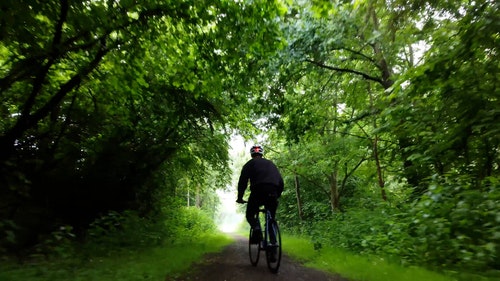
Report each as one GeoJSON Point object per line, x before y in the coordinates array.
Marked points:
{"type": "Point", "coordinates": [266, 186]}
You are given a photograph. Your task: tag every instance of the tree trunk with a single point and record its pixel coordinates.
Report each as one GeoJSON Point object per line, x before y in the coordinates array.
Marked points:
{"type": "Point", "coordinates": [381, 182]}
{"type": "Point", "coordinates": [299, 200]}
{"type": "Point", "coordinates": [334, 192]}
{"type": "Point", "coordinates": [198, 197]}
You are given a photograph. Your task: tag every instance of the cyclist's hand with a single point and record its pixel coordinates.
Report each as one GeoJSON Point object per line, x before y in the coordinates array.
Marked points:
{"type": "Point", "coordinates": [241, 201]}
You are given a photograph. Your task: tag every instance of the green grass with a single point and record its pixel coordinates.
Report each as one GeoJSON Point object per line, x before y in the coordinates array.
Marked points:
{"type": "Point", "coordinates": [362, 268]}
{"type": "Point", "coordinates": [149, 264]}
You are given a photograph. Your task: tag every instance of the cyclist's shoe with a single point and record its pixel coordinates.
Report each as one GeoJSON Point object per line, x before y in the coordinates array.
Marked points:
{"type": "Point", "coordinates": [256, 236]}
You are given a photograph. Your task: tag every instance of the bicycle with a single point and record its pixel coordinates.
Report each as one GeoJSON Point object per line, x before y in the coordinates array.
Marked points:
{"type": "Point", "coordinates": [271, 243]}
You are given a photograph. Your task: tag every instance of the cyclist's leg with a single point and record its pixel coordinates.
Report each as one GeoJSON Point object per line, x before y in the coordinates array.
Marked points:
{"type": "Point", "coordinates": [253, 204]}
{"type": "Point", "coordinates": [271, 199]}
{"type": "Point", "coordinates": [252, 209]}
{"type": "Point", "coordinates": [272, 205]}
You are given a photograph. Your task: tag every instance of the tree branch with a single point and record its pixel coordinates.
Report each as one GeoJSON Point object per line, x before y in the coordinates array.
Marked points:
{"type": "Point", "coordinates": [27, 121]}
{"type": "Point", "coordinates": [72, 83]}
{"type": "Point", "coordinates": [313, 182]}
{"type": "Point", "coordinates": [347, 70]}
{"type": "Point", "coordinates": [360, 54]}
{"type": "Point", "coordinates": [59, 26]}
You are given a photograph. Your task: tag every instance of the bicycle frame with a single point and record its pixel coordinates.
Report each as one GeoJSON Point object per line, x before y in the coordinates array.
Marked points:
{"type": "Point", "coordinates": [270, 244]}
{"type": "Point", "coordinates": [269, 234]}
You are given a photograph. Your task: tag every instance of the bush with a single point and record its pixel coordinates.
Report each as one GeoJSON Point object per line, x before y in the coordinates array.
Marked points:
{"type": "Point", "coordinates": [457, 224]}
{"type": "Point", "coordinates": [376, 231]}
{"type": "Point", "coordinates": [127, 229]}
{"type": "Point", "coordinates": [7, 234]}
{"type": "Point", "coordinates": [189, 223]}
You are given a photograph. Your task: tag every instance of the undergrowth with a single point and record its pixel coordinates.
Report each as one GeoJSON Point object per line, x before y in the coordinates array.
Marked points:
{"type": "Point", "coordinates": [122, 247]}
{"type": "Point", "coordinates": [364, 267]}
{"type": "Point", "coordinates": [453, 227]}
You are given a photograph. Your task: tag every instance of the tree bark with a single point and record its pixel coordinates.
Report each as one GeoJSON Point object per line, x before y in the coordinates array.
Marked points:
{"type": "Point", "coordinates": [381, 182]}
{"type": "Point", "coordinates": [198, 197]}
{"type": "Point", "coordinates": [334, 192]}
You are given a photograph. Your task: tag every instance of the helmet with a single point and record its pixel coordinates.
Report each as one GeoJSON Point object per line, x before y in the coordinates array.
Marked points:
{"type": "Point", "coordinates": [256, 149]}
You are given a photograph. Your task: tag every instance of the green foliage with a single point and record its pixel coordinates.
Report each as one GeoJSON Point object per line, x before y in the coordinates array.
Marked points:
{"type": "Point", "coordinates": [188, 223]}
{"type": "Point", "coordinates": [366, 231]}
{"type": "Point", "coordinates": [449, 103]}
{"type": "Point", "coordinates": [400, 98]}
{"type": "Point", "coordinates": [119, 104]}
{"type": "Point", "coordinates": [134, 247]}
{"type": "Point", "coordinates": [157, 263]}
{"type": "Point", "coordinates": [126, 229]}
{"type": "Point", "coordinates": [455, 224]}
{"type": "Point", "coordinates": [355, 266]}
{"type": "Point", "coordinates": [125, 108]}
{"type": "Point", "coordinates": [59, 244]}
{"type": "Point", "coordinates": [7, 228]}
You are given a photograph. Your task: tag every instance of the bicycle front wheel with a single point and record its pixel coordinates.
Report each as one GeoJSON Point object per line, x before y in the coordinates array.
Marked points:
{"type": "Point", "coordinates": [273, 248]}
{"type": "Point", "coordinates": [253, 249]}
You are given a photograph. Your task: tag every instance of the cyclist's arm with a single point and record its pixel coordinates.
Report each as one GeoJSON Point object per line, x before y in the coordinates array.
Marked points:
{"type": "Point", "coordinates": [242, 183]}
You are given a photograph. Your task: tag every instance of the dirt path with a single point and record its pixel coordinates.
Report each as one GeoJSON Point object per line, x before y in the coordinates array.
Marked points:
{"type": "Point", "coordinates": [233, 264]}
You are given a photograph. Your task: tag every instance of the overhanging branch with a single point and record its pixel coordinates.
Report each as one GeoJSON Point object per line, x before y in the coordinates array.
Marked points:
{"type": "Point", "coordinates": [346, 70]}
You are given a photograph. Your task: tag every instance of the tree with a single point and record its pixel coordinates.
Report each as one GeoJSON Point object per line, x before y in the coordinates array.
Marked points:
{"type": "Point", "coordinates": [450, 101]}
{"type": "Point", "coordinates": [102, 100]}
{"type": "Point", "coordinates": [429, 120]}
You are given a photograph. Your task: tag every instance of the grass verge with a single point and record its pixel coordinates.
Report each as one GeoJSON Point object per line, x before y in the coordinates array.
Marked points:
{"type": "Point", "coordinates": [150, 264]}
{"type": "Point", "coordinates": [362, 268]}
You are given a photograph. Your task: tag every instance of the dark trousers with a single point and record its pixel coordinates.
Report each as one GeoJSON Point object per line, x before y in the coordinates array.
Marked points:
{"type": "Point", "coordinates": [261, 197]}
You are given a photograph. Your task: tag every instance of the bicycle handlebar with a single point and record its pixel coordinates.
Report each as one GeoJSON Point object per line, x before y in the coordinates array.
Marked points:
{"type": "Point", "coordinates": [262, 210]}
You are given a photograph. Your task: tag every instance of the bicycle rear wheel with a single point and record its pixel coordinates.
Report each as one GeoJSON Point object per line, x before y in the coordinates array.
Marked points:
{"type": "Point", "coordinates": [253, 249]}
{"type": "Point", "coordinates": [273, 248]}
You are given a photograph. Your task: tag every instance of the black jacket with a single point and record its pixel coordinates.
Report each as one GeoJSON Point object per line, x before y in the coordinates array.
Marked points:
{"type": "Point", "coordinates": [261, 172]}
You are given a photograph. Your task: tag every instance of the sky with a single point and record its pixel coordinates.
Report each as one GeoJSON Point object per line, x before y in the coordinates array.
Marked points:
{"type": "Point", "coordinates": [229, 217]}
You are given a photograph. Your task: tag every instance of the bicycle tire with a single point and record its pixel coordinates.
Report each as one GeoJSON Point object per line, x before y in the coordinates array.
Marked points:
{"type": "Point", "coordinates": [253, 250]}
{"type": "Point", "coordinates": [273, 265]}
